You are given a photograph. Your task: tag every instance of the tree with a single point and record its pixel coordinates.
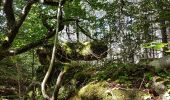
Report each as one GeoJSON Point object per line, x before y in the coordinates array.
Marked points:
{"type": "Point", "coordinates": [18, 20]}
{"type": "Point", "coordinates": [13, 26]}
{"type": "Point", "coordinates": [18, 17]}
{"type": "Point", "coordinates": [123, 24]}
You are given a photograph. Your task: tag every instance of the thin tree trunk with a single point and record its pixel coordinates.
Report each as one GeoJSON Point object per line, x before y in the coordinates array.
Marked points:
{"type": "Point", "coordinates": [45, 95]}
{"type": "Point", "coordinates": [162, 25]}
{"type": "Point", "coordinates": [164, 37]}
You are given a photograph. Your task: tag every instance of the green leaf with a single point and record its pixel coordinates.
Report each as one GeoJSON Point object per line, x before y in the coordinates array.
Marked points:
{"type": "Point", "coordinates": [159, 45]}
{"type": "Point", "coordinates": [155, 45]}
{"type": "Point", "coordinates": [167, 51]}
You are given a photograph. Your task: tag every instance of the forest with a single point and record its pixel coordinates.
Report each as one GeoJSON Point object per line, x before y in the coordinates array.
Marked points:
{"type": "Point", "coordinates": [84, 50]}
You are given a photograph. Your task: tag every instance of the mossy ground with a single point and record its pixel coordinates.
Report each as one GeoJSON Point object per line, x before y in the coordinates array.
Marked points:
{"type": "Point", "coordinates": [85, 81]}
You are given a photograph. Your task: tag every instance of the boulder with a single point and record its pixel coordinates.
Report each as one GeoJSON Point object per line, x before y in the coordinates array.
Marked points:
{"type": "Point", "coordinates": [102, 91]}
{"type": "Point", "coordinates": [161, 63]}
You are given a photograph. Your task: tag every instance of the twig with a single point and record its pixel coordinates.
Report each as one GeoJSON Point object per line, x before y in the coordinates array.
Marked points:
{"type": "Point", "coordinates": [142, 81]}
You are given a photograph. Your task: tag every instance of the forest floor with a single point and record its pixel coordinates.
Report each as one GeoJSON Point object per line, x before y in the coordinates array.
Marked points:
{"type": "Point", "coordinates": [118, 76]}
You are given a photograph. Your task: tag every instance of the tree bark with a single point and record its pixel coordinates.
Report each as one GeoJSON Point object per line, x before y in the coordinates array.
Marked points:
{"type": "Point", "coordinates": [162, 25]}
{"type": "Point", "coordinates": [9, 13]}
{"type": "Point", "coordinates": [164, 37]}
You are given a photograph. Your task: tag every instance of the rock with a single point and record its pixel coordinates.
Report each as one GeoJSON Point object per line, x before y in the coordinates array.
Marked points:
{"type": "Point", "coordinates": [101, 91]}
{"type": "Point", "coordinates": [161, 63]}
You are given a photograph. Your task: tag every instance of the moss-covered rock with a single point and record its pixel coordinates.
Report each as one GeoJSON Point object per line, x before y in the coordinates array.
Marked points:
{"type": "Point", "coordinates": [101, 91]}
{"type": "Point", "coordinates": [161, 63]}
{"type": "Point", "coordinates": [69, 51]}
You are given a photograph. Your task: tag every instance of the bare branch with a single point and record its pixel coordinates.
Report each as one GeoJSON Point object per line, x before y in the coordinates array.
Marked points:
{"type": "Point", "coordinates": [85, 33]}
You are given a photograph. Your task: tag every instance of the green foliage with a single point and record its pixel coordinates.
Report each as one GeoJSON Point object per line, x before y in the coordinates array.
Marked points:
{"type": "Point", "coordinates": [116, 71]}
{"type": "Point", "coordinates": [108, 72]}
{"type": "Point", "coordinates": [32, 29]}
{"type": "Point", "coordinates": [155, 45]}
{"type": "Point", "coordinates": [79, 72]}
{"type": "Point", "coordinates": [148, 76]}
{"type": "Point", "coordinates": [7, 69]}
{"type": "Point", "coordinates": [74, 10]}
{"type": "Point", "coordinates": [24, 63]}
{"type": "Point", "coordinates": [104, 20]}
{"type": "Point", "coordinates": [3, 37]}
{"type": "Point", "coordinates": [167, 51]}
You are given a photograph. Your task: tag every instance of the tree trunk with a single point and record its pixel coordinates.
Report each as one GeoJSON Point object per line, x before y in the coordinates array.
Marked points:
{"type": "Point", "coordinates": [164, 36]}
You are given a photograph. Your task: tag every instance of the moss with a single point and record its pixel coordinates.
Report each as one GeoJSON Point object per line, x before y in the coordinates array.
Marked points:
{"type": "Point", "coordinates": [76, 97]}
{"type": "Point", "coordinates": [101, 91]}
{"type": "Point", "coordinates": [67, 48]}
{"type": "Point", "coordinates": [86, 49]}
{"type": "Point", "coordinates": [93, 91]}
{"type": "Point", "coordinates": [131, 94]}
{"type": "Point", "coordinates": [72, 51]}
